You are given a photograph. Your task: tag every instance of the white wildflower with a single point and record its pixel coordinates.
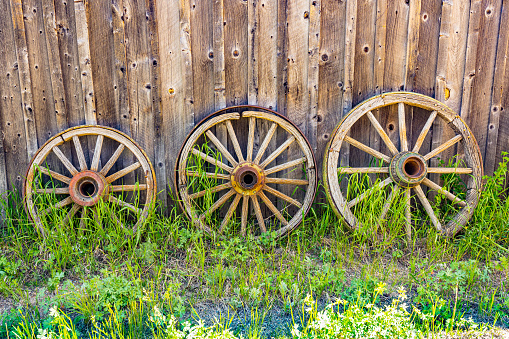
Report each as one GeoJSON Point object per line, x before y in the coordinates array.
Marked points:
{"type": "Point", "coordinates": [53, 312]}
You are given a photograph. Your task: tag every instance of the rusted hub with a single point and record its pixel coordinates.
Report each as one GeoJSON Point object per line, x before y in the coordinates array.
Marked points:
{"type": "Point", "coordinates": [87, 188]}
{"type": "Point", "coordinates": [247, 178]}
{"type": "Point", "coordinates": [408, 169]}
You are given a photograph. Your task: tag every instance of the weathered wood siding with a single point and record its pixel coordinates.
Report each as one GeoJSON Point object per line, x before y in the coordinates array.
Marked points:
{"type": "Point", "coordinates": [154, 68]}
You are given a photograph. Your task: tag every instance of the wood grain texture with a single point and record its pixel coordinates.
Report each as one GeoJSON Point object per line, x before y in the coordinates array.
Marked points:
{"type": "Point", "coordinates": [330, 72]}
{"type": "Point", "coordinates": [499, 96]}
{"type": "Point", "coordinates": [480, 103]}
{"type": "Point", "coordinates": [12, 118]}
{"type": "Point", "coordinates": [24, 77]}
{"type": "Point", "coordinates": [102, 58]}
{"type": "Point", "coordinates": [202, 46]}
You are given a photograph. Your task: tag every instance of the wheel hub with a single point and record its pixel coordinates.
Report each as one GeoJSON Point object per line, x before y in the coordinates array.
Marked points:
{"type": "Point", "coordinates": [247, 178]}
{"type": "Point", "coordinates": [87, 188]}
{"type": "Point", "coordinates": [408, 169]}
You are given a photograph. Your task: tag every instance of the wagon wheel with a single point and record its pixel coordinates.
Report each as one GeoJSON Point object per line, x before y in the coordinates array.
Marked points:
{"type": "Point", "coordinates": [66, 176]}
{"type": "Point", "coordinates": [408, 172]}
{"type": "Point", "coordinates": [261, 175]}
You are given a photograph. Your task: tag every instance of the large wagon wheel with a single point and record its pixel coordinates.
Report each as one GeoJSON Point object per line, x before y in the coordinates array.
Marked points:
{"type": "Point", "coordinates": [264, 167]}
{"type": "Point", "coordinates": [406, 168]}
{"type": "Point", "coordinates": [61, 178]}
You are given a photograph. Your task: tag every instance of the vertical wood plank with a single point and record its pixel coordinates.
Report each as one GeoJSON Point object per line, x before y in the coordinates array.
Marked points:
{"type": "Point", "coordinates": [331, 72]}
{"type": "Point", "coordinates": [395, 46]}
{"type": "Point", "coordinates": [313, 69]}
{"type": "Point", "coordinates": [159, 138]}
{"type": "Point", "coordinates": [498, 128]}
{"type": "Point", "coordinates": [12, 118]}
{"type": "Point", "coordinates": [120, 72]}
{"type": "Point", "coordinates": [65, 20]}
{"type": "Point", "coordinates": [24, 77]}
{"type": "Point", "coordinates": [450, 66]}
{"type": "Point", "coordinates": [57, 82]}
{"type": "Point", "coordinates": [218, 54]}
{"type": "Point", "coordinates": [87, 83]}
{"type": "Point", "coordinates": [236, 51]}
{"type": "Point", "coordinates": [267, 95]}
{"type": "Point", "coordinates": [139, 74]}
{"type": "Point", "coordinates": [42, 94]}
{"type": "Point", "coordinates": [298, 31]}
{"type": "Point", "coordinates": [282, 56]}
{"type": "Point", "coordinates": [202, 46]}
{"type": "Point", "coordinates": [380, 37]}
{"type": "Point", "coordinates": [484, 72]}
{"type": "Point", "coordinates": [177, 122]}
{"type": "Point", "coordinates": [252, 51]}
{"type": "Point", "coordinates": [100, 32]}
{"type": "Point", "coordinates": [350, 33]}
{"type": "Point", "coordinates": [470, 59]}
{"type": "Point", "coordinates": [363, 85]}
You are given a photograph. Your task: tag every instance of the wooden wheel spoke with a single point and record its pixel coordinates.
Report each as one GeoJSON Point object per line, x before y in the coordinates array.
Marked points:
{"type": "Point", "coordinates": [59, 204]}
{"type": "Point", "coordinates": [427, 207]}
{"type": "Point", "coordinates": [449, 170]}
{"type": "Point", "coordinates": [367, 149]}
{"type": "Point", "coordinates": [402, 127]}
{"type": "Point", "coordinates": [235, 141]}
{"type": "Point", "coordinates": [353, 170]}
{"type": "Point", "coordinates": [74, 209]}
{"type": "Point", "coordinates": [258, 213]}
{"type": "Point", "coordinates": [97, 153]}
{"type": "Point", "coordinates": [122, 203]}
{"type": "Point", "coordinates": [283, 196]}
{"type": "Point", "coordinates": [128, 188]}
{"type": "Point", "coordinates": [388, 142]}
{"type": "Point", "coordinates": [122, 172]}
{"type": "Point", "coordinates": [211, 160]}
{"type": "Point", "coordinates": [446, 193]}
{"type": "Point", "coordinates": [390, 200]}
{"type": "Point", "coordinates": [424, 132]}
{"type": "Point", "coordinates": [55, 175]}
{"type": "Point", "coordinates": [265, 143]}
{"type": "Point", "coordinates": [106, 168]}
{"type": "Point", "coordinates": [209, 175]}
{"type": "Point", "coordinates": [230, 211]}
{"type": "Point", "coordinates": [286, 165]}
{"type": "Point", "coordinates": [79, 153]}
{"type": "Point", "coordinates": [273, 208]}
{"type": "Point", "coordinates": [245, 211]}
{"type": "Point", "coordinates": [286, 181]}
{"type": "Point", "coordinates": [54, 190]}
{"type": "Point", "coordinates": [250, 138]}
{"type": "Point", "coordinates": [443, 147]}
{"type": "Point", "coordinates": [221, 148]}
{"type": "Point", "coordinates": [366, 193]}
{"type": "Point", "coordinates": [277, 152]}
{"type": "Point", "coordinates": [211, 190]}
{"type": "Point", "coordinates": [217, 204]}
{"type": "Point", "coordinates": [67, 163]}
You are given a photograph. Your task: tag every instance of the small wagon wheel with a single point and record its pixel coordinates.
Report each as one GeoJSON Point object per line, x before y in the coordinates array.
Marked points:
{"type": "Point", "coordinates": [64, 174]}
{"type": "Point", "coordinates": [403, 169]}
{"type": "Point", "coordinates": [263, 167]}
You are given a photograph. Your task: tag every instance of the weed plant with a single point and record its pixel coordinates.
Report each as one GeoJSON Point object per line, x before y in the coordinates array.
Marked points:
{"type": "Point", "coordinates": [103, 275]}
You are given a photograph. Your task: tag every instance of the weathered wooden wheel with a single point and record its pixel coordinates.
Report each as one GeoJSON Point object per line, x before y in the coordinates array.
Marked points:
{"type": "Point", "coordinates": [247, 158]}
{"type": "Point", "coordinates": [392, 166]}
{"type": "Point", "coordinates": [54, 182]}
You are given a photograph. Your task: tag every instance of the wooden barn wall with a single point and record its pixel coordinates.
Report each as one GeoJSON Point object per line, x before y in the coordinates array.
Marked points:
{"type": "Point", "coordinates": [155, 68]}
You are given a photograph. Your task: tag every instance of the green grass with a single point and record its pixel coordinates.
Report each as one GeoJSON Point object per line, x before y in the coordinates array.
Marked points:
{"type": "Point", "coordinates": [104, 278]}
